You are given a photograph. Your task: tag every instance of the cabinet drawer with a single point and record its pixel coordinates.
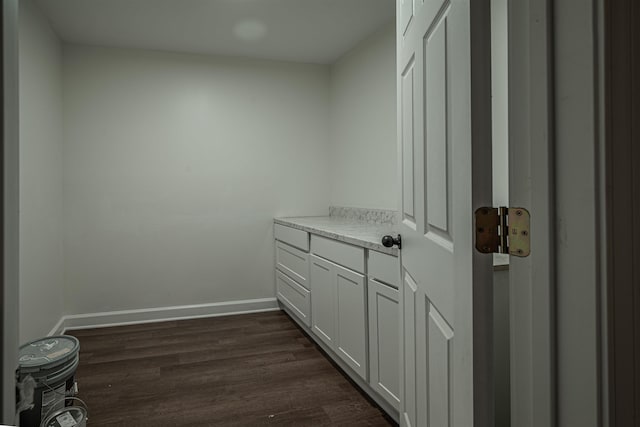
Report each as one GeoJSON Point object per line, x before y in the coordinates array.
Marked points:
{"type": "Point", "coordinates": [384, 267]}
{"type": "Point", "coordinates": [292, 236]}
{"type": "Point", "coordinates": [341, 253]}
{"type": "Point", "coordinates": [294, 297]}
{"type": "Point", "coordinates": [293, 262]}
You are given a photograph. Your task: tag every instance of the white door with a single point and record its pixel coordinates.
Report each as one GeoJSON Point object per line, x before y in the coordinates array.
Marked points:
{"type": "Point", "coordinates": [444, 134]}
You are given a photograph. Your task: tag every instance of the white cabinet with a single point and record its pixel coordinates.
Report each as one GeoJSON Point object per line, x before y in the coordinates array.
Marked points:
{"type": "Point", "coordinates": [384, 341]}
{"type": "Point", "coordinates": [338, 307]}
{"type": "Point", "coordinates": [347, 297]}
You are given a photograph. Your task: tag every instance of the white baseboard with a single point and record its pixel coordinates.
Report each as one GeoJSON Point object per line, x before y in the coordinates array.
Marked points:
{"type": "Point", "coordinates": [162, 314]}
{"type": "Point", "coordinates": [58, 329]}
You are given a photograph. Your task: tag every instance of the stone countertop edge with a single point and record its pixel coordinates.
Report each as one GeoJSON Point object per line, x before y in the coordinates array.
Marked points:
{"type": "Point", "coordinates": [367, 244]}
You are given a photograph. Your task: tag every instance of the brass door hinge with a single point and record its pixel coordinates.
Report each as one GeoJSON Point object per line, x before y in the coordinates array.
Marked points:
{"type": "Point", "coordinates": [503, 231]}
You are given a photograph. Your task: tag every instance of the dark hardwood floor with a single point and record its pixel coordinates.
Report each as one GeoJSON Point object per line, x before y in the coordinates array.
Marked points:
{"type": "Point", "coordinates": [245, 370]}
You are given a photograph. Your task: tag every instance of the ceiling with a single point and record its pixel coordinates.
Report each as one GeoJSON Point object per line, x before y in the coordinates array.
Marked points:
{"type": "Point", "coordinates": [312, 31]}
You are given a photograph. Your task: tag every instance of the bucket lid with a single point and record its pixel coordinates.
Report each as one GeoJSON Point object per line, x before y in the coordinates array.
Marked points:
{"type": "Point", "coordinates": [48, 352]}
{"type": "Point", "coordinates": [66, 417]}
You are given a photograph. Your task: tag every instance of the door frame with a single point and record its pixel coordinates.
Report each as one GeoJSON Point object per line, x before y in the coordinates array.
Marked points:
{"type": "Point", "coordinates": [531, 185]}
{"type": "Point", "coordinates": [578, 223]}
{"type": "Point", "coordinates": [621, 69]}
{"type": "Point", "coordinates": [555, 143]}
{"type": "Point", "coordinates": [9, 203]}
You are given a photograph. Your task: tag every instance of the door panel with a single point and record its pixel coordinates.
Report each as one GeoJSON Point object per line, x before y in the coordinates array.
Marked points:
{"type": "Point", "coordinates": [408, 193]}
{"type": "Point", "coordinates": [438, 281]}
{"type": "Point", "coordinates": [406, 14]}
{"type": "Point", "coordinates": [408, 372]}
{"type": "Point", "coordinates": [437, 154]}
{"type": "Point", "coordinates": [440, 336]}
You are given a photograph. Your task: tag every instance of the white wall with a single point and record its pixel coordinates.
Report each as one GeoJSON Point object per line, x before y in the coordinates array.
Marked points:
{"type": "Point", "coordinates": [41, 237]}
{"type": "Point", "coordinates": [175, 166]}
{"type": "Point", "coordinates": [363, 124]}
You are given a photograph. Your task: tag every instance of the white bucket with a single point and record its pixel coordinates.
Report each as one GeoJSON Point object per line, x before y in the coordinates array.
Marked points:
{"type": "Point", "coordinates": [46, 372]}
{"type": "Point", "coordinates": [74, 415]}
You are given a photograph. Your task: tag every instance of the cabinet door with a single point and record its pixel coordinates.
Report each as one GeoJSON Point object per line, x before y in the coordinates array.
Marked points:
{"type": "Point", "coordinates": [322, 299]}
{"type": "Point", "coordinates": [351, 334]}
{"type": "Point", "coordinates": [384, 341]}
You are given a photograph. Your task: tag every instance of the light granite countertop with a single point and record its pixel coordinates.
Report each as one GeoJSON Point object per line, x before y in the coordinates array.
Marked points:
{"type": "Point", "coordinates": [349, 230]}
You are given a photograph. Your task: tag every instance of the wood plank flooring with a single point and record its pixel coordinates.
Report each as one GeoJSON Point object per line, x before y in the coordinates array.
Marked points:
{"type": "Point", "coordinates": [246, 370]}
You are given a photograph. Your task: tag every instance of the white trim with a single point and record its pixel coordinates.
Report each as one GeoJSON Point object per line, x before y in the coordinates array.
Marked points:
{"type": "Point", "coordinates": [532, 185]}
{"type": "Point", "coordinates": [58, 329]}
{"type": "Point", "coordinates": [9, 317]}
{"type": "Point", "coordinates": [602, 156]}
{"type": "Point", "coordinates": [578, 248]}
{"type": "Point", "coordinates": [162, 314]}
